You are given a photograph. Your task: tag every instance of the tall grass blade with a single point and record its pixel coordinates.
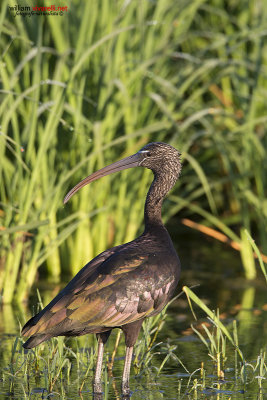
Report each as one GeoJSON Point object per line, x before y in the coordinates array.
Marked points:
{"type": "Point", "coordinates": [256, 249]}
{"type": "Point", "coordinates": [191, 295]}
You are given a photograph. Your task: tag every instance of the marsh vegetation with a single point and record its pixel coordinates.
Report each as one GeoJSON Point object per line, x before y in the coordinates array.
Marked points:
{"type": "Point", "coordinates": [83, 90]}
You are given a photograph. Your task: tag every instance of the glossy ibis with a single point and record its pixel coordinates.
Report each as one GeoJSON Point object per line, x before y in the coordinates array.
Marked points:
{"type": "Point", "coordinates": [126, 284]}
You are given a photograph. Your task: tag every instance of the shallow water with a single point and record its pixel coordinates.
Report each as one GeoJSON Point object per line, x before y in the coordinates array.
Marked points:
{"type": "Point", "coordinates": [219, 285]}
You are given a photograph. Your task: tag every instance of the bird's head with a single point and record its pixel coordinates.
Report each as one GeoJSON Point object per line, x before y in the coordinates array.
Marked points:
{"type": "Point", "coordinates": [161, 158]}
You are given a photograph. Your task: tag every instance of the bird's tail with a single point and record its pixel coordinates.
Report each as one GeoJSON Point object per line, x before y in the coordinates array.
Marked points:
{"type": "Point", "coordinates": [33, 341]}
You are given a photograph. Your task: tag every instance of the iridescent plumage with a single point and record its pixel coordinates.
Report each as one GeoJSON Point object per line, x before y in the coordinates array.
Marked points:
{"type": "Point", "coordinates": [126, 284]}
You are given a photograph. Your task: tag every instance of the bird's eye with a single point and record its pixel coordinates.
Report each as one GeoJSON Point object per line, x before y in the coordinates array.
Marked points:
{"type": "Point", "coordinates": [148, 154]}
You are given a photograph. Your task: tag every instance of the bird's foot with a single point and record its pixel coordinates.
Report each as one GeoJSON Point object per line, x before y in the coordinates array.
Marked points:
{"type": "Point", "coordinates": [125, 390]}
{"type": "Point", "coordinates": [97, 396]}
{"type": "Point", "coordinates": [97, 387]}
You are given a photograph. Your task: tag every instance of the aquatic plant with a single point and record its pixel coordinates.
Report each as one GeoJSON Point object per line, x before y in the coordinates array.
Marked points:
{"type": "Point", "coordinates": [85, 89]}
{"type": "Point", "coordinates": [64, 368]}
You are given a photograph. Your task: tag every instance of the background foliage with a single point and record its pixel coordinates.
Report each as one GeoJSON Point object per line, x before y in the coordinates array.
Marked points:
{"type": "Point", "coordinates": [85, 89]}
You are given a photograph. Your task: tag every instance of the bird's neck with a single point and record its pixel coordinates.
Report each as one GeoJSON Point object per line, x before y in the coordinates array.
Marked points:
{"type": "Point", "coordinates": [158, 190]}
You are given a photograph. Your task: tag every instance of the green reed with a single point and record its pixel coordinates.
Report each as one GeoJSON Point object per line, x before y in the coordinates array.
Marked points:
{"type": "Point", "coordinates": [215, 340]}
{"type": "Point", "coordinates": [83, 90]}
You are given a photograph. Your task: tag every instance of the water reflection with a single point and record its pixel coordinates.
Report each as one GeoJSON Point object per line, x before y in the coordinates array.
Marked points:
{"type": "Point", "coordinates": [101, 396]}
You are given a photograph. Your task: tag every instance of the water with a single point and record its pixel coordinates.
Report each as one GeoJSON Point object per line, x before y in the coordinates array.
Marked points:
{"type": "Point", "coordinates": [216, 271]}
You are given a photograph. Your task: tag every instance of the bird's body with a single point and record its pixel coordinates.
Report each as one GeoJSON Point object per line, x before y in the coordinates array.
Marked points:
{"type": "Point", "coordinates": [125, 284]}
{"type": "Point", "coordinates": [121, 285]}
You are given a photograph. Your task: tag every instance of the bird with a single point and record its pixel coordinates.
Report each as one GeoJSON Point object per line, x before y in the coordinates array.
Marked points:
{"type": "Point", "coordinates": [123, 285]}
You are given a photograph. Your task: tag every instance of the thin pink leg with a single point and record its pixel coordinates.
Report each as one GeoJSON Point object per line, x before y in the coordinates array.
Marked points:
{"type": "Point", "coordinates": [97, 379]}
{"type": "Point", "coordinates": [126, 371]}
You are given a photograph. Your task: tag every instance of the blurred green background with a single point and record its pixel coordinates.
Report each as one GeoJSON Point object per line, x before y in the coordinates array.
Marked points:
{"type": "Point", "coordinates": [84, 89]}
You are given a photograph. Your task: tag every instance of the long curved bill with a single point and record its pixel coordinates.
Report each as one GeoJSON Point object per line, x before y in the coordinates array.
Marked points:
{"type": "Point", "coordinates": [125, 163]}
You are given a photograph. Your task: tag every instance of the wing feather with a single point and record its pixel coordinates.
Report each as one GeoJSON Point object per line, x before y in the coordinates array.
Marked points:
{"type": "Point", "coordinates": [115, 290]}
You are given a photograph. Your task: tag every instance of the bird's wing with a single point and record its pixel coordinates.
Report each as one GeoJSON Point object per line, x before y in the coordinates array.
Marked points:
{"type": "Point", "coordinates": [76, 284]}
{"type": "Point", "coordinates": [121, 290]}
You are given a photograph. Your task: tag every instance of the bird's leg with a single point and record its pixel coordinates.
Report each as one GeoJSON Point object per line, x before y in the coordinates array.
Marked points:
{"type": "Point", "coordinates": [102, 338]}
{"type": "Point", "coordinates": [131, 332]}
{"type": "Point", "coordinates": [126, 370]}
{"type": "Point", "coordinates": [97, 380]}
